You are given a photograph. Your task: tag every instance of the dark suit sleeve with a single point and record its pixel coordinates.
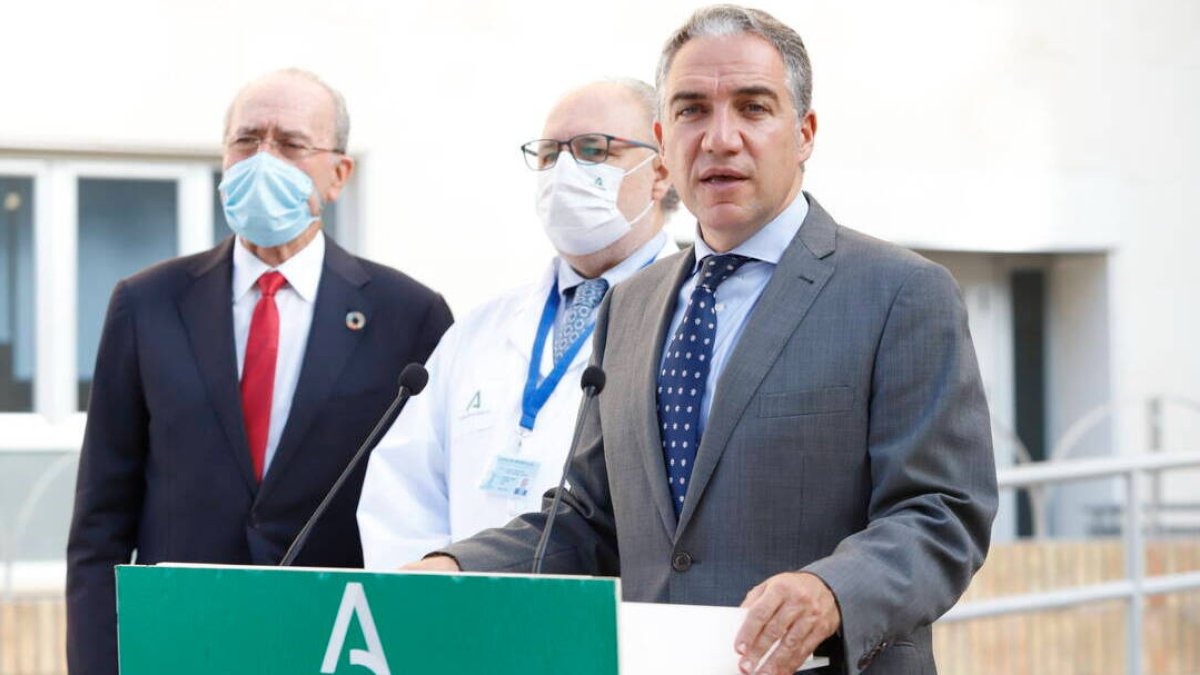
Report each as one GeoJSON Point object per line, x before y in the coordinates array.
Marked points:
{"type": "Point", "coordinates": [108, 494]}
{"type": "Point", "coordinates": [437, 319]}
{"type": "Point", "coordinates": [933, 476]}
{"type": "Point", "coordinates": [584, 540]}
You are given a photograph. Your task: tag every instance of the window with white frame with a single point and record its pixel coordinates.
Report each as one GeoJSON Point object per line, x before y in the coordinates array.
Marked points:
{"type": "Point", "coordinates": [16, 293]}
{"type": "Point", "coordinates": [70, 228]}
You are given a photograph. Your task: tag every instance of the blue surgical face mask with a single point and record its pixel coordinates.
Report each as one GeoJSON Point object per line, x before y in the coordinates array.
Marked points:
{"type": "Point", "coordinates": [266, 200]}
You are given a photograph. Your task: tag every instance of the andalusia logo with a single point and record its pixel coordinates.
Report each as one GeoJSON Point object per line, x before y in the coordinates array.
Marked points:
{"type": "Point", "coordinates": [354, 604]}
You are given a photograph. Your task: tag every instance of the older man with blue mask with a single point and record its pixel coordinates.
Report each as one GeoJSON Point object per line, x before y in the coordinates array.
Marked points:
{"type": "Point", "coordinates": [233, 386]}
{"type": "Point", "coordinates": [491, 432]}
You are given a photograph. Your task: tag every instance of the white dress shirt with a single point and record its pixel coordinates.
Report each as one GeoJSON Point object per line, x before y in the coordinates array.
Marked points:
{"type": "Point", "coordinates": [295, 301]}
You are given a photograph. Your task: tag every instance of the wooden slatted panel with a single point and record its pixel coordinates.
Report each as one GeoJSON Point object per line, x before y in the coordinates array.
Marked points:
{"type": "Point", "coordinates": [1087, 640]}
{"type": "Point", "coordinates": [33, 636]}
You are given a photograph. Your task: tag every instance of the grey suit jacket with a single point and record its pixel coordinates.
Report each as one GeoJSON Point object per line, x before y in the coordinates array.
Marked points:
{"type": "Point", "coordinates": [848, 437]}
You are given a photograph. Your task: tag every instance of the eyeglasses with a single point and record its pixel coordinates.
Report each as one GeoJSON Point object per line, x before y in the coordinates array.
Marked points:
{"type": "Point", "coordinates": [244, 146]}
{"type": "Point", "coordinates": [585, 148]}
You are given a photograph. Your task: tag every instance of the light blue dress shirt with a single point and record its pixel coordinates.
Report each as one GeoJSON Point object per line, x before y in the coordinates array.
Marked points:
{"type": "Point", "coordinates": [738, 295]}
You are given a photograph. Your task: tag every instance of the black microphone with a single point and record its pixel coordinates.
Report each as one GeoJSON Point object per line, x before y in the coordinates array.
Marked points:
{"type": "Point", "coordinates": [592, 382]}
{"type": "Point", "coordinates": [413, 379]}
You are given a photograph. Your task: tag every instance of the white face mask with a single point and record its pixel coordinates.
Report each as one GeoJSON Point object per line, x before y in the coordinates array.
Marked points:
{"type": "Point", "coordinates": [577, 204]}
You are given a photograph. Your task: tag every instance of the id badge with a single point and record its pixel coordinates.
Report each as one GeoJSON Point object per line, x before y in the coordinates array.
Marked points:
{"type": "Point", "coordinates": [510, 476]}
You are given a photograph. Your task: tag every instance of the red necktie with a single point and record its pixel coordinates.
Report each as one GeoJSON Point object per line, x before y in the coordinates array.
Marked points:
{"type": "Point", "coordinates": [258, 369]}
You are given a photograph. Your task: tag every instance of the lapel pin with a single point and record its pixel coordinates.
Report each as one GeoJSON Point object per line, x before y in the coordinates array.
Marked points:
{"type": "Point", "coordinates": [355, 320]}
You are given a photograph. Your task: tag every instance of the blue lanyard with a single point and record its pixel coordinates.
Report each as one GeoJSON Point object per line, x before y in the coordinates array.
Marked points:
{"type": "Point", "coordinates": [536, 394]}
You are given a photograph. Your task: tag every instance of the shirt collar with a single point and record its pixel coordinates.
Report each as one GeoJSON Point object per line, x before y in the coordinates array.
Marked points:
{"type": "Point", "coordinates": [568, 278]}
{"type": "Point", "coordinates": [769, 243]}
{"type": "Point", "coordinates": [302, 271]}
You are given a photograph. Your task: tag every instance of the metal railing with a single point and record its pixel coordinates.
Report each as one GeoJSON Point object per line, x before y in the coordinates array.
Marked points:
{"type": "Point", "coordinates": [1136, 586]}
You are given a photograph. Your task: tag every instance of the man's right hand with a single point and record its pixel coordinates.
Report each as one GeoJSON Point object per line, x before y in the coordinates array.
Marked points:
{"type": "Point", "coordinates": [434, 563]}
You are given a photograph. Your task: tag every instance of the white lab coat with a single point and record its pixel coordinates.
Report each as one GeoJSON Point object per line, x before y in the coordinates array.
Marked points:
{"type": "Point", "coordinates": [422, 486]}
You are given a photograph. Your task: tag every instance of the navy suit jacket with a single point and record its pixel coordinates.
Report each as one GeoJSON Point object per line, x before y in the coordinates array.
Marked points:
{"type": "Point", "coordinates": [165, 467]}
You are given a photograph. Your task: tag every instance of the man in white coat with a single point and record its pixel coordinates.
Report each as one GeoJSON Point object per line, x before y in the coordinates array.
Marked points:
{"type": "Point", "coordinates": [490, 434]}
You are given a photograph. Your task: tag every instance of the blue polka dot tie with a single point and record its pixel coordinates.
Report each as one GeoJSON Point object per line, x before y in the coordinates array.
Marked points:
{"type": "Point", "coordinates": [579, 315]}
{"type": "Point", "coordinates": [685, 371]}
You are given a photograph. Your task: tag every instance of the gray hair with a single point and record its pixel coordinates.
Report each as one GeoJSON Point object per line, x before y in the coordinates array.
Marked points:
{"type": "Point", "coordinates": [716, 20]}
{"type": "Point", "coordinates": [341, 116]}
{"type": "Point", "coordinates": [646, 96]}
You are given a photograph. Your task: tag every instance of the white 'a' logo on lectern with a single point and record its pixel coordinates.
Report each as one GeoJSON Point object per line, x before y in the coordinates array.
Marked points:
{"type": "Point", "coordinates": [354, 602]}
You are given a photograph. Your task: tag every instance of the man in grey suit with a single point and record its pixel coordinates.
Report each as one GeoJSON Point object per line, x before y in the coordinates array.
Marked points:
{"type": "Point", "coordinates": [793, 419]}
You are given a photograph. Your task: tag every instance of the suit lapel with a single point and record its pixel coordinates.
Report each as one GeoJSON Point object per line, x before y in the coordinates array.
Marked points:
{"type": "Point", "coordinates": [330, 344]}
{"type": "Point", "coordinates": [207, 311]}
{"type": "Point", "coordinates": [798, 279]}
{"type": "Point", "coordinates": [656, 320]}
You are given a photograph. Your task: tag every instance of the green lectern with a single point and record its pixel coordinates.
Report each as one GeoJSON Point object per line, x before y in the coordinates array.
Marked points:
{"type": "Point", "coordinates": [193, 619]}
